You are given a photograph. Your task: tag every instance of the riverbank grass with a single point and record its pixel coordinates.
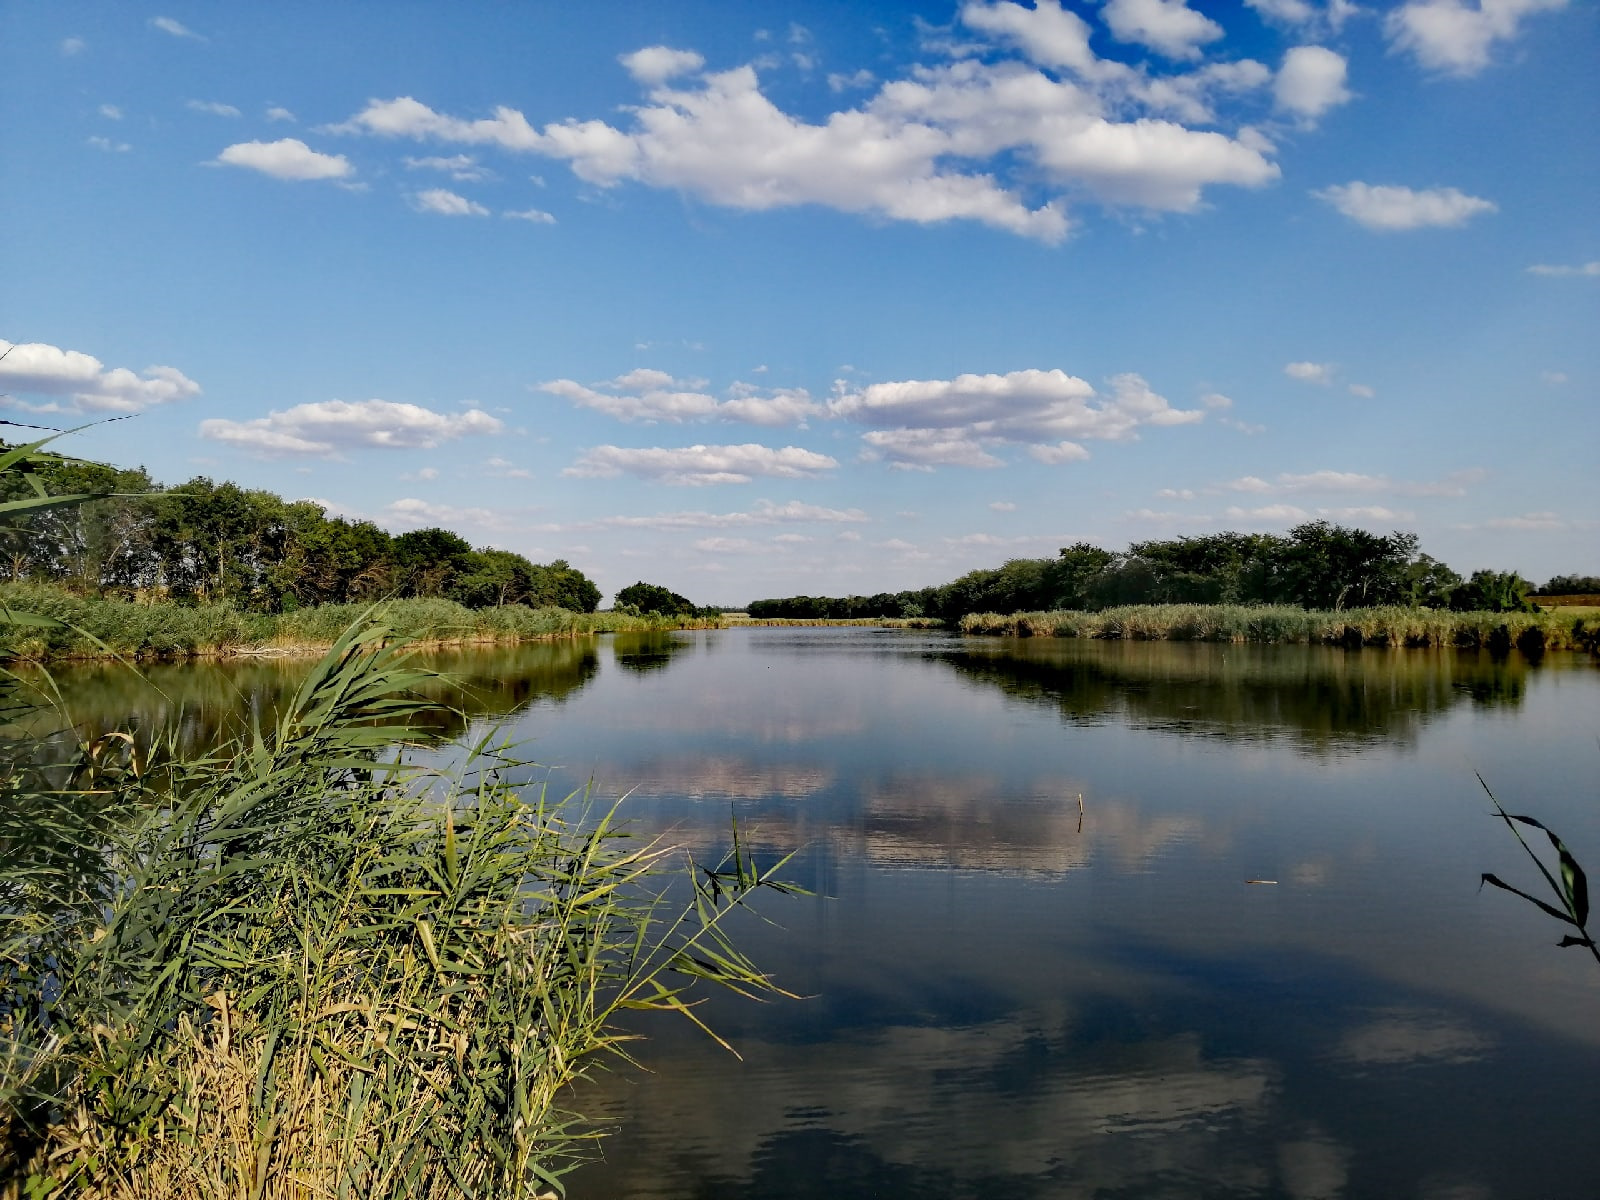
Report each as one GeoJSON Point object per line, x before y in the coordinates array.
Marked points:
{"type": "Point", "coordinates": [1393, 626]}
{"type": "Point", "coordinates": [99, 628]}
{"type": "Point", "coordinates": [298, 967]}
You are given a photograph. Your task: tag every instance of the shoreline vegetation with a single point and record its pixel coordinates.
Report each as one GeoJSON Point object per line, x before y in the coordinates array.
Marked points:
{"type": "Point", "coordinates": [89, 629]}
{"type": "Point", "coordinates": [94, 628]}
{"type": "Point", "coordinates": [1394, 626]}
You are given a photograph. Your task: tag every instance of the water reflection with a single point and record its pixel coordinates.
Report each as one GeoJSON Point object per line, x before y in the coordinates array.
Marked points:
{"type": "Point", "coordinates": [1323, 698]}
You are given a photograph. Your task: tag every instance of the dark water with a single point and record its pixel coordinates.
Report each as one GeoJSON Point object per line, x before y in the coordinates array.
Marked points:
{"type": "Point", "coordinates": [1003, 1000]}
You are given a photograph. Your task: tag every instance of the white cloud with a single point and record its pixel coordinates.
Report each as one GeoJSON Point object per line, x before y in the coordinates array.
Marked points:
{"type": "Point", "coordinates": [646, 394]}
{"type": "Point", "coordinates": [1389, 208]}
{"type": "Point", "coordinates": [1528, 521]}
{"type": "Point", "coordinates": [84, 384]}
{"type": "Point", "coordinates": [534, 216]}
{"type": "Point", "coordinates": [278, 113]}
{"type": "Point", "coordinates": [423, 474]}
{"type": "Point", "coordinates": [1059, 453]}
{"type": "Point", "coordinates": [656, 64]}
{"type": "Point", "coordinates": [1363, 390]}
{"type": "Point", "coordinates": [1002, 506]}
{"type": "Point", "coordinates": [937, 146]}
{"type": "Point", "coordinates": [794, 512]}
{"type": "Point", "coordinates": [1310, 82]}
{"type": "Point", "coordinates": [176, 28]}
{"type": "Point", "coordinates": [1169, 27]}
{"type": "Point", "coordinates": [419, 513]}
{"type": "Point", "coordinates": [1456, 36]}
{"type": "Point", "coordinates": [857, 79]}
{"type": "Point", "coordinates": [71, 46]}
{"type": "Point", "coordinates": [462, 167]}
{"type": "Point", "coordinates": [1176, 494]}
{"type": "Point", "coordinates": [1370, 512]}
{"type": "Point", "coordinates": [1310, 372]}
{"type": "Point", "coordinates": [287, 158]}
{"type": "Point", "coordinates": [111, 112]}
{"type": "Point", "coordinates": [1351, 481]}
{"type": "Point", "coordinates": [102, 143]}
{"type": "Point", "coordinates": [501, 468]}
{"type": "Point", "coordinates": [1553, 378]}
{"type": "Point", "coordinates": [700, 465]}
{"type": "Point", "coordinates": [726, 545]}
{"type": "Point", "coordinates": [324, 429]}
{"type": "Point", "coordinates": [445, 203]}
{"type": "Point", "coordinates": [1588, 269]}
{"type": "Point", "coordinates": [1216, 400]}
{"type": "Point", "coordinates": [1270, 512]}
{"type": "Point", "coordinates": [934, 422]}
{"type": "Point", "coordinates": [212, 107]}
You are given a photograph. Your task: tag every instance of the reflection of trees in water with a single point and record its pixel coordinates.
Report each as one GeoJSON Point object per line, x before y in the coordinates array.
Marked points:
{"type": "Point", "coordinates": [198, 706]}
{"type": "Point", "coordinates": [646, 650]}
{"type": "Point", "coordinates": [1323, 697]}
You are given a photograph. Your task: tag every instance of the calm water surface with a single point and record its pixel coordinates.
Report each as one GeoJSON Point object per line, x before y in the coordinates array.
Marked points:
{"type": "Point", "coordinates": [1005, 1000]}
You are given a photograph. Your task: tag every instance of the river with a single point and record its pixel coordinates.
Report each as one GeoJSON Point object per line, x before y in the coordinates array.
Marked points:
{"type": "Point", "coordinates": [1002, 997]}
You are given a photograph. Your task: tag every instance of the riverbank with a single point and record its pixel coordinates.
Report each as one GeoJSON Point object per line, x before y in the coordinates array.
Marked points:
{"type": "Point", "coordinates": [1568, 629]}
{"type": "Point", "coordinates": [90, 628]}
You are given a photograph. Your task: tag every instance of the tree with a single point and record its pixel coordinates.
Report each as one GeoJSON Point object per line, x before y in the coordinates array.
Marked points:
{"type": "Point", "coordinates": [1494, 591]}
{"type": "Point", "coordinates": [645, 597]}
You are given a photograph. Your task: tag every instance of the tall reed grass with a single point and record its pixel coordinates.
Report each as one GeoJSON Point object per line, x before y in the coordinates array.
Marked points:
{"type": "Point", "coordinates": [1393, 626]}
{"type": "Point", "coordinates": [301, 968]}
{"type": "Point", "coordinates": [95, 628]}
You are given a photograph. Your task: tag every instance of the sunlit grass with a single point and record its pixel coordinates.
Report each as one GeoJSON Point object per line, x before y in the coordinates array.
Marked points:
{"type": "Point", "coordinates": [92, 628]}
{"type": "Point", "coordinates": [1394, 626]}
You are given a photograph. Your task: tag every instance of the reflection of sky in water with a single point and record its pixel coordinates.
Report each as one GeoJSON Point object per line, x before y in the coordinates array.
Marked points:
{"type": "Point", "coordinates": [1006, 1000]}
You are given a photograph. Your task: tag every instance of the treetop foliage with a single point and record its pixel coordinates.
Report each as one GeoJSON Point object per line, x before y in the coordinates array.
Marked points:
{"type": "Point", "coordinates": [1316, 565]}
{"type": "Point", "coordinates": [209, 541]}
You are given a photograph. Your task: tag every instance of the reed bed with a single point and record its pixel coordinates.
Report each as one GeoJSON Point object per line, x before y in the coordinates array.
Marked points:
{"type": "Point", "coordinates": [1393, 626]}
{"type": "Point", "coordinates": [298, 968]}
{"type": "Point", "coordinates": [96, 628]}
{"type": "Point", "coordinates": [873, 622]}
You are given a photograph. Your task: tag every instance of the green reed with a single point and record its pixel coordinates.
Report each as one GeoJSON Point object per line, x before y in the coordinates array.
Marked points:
{"type": "Point", "coordinates": [299, 967]}
{"type": "Point", "coordinates": [1390, 626]}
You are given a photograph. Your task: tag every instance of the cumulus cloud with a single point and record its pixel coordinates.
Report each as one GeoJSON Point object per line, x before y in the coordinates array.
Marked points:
{"type": "Point", "coordinates": [1169, 27]}
{"type": "Point", "coordinates": [701, 465]}
{"type": "Point", "coordinates": [647, 394]}
{"type": "Point", "coordinates": [71, 46]}
{"type": "Point", "coordinates": [1388, 208]}
{"type": "Point", "coordinates": [1588, 269]}
{"type": "Point", "coordinates": [1310, 82]}
{"type": "Point", "coordinates": [103, 143]}
{"type": "Point", "coordinates": [534, 216]}
{"type": "Point", "coordinates": [1310, 372]}
{"type": "Point", "coordinates": [418, 513]}
{"type": "Point", "coordinates": [1457, 36]}
{"type": "Point", "coordinates": [278, 113]}
{"type": "Point", "coordinates": [923, 423]}
{"type": "Point", "coordinates": [794, 512]}
{"type": "Point", "coordinates": [445, 203]}
{"type": "Point", "coordinates": [1269, 512]}
{"type": "Point", "coordinates": [1351, 481]}
{"type": "Point", "coordinates": [78, 382]}
{"type": "Point", "coordinates": [111, 112]}
{"type": "Point", "coordinates": [286, 158]}
{"type": "Point", "coordinates": [212, 107]}
{"type": "Point", "coordinates": [174, 28]}
{"type": "Point", "coordinates": [656, 64]}
{"type": "Point", "coordinates": [967, 139]}
{"type": "Point", "coordinates": [462, 167]}
{"type": "Point", "coordinates": [327, 428]}
{"type": "Point", "coordinates": [1365, 391]}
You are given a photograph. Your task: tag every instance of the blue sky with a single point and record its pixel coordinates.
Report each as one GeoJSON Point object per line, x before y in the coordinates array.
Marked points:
{"type": "Point", "coordinates": [760, 299]}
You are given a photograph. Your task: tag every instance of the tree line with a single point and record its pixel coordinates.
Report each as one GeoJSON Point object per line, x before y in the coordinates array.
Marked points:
{"type": "Point", "coordinates": [204, 541]}
{"type": "Point", "coordinates": [1316, 565]}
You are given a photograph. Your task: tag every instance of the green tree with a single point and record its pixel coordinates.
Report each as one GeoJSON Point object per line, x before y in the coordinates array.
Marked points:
{"type": "Point", "coordinates": [1494, 591]}
{"type": "Point", "coordinates": [645, 597]}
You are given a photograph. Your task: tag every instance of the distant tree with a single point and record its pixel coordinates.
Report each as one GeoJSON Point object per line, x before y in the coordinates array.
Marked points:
{"type": "Point", "coordinates": [1494, 591]}
{"type": "Point", "coordinates": [430, 559]}
{"type": "Point", "coordinates": [1429, 583]}
{"type": "Point", "coordinates": [645, 597]}
{"type": "Point", "coordinates": [1571, 585]}
{"type": "Point", "coordinates": [561, 585]}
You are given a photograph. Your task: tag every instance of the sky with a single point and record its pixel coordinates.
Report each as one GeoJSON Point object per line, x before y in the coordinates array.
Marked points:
{"type": "Point", "coordinates": [818, 297]}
